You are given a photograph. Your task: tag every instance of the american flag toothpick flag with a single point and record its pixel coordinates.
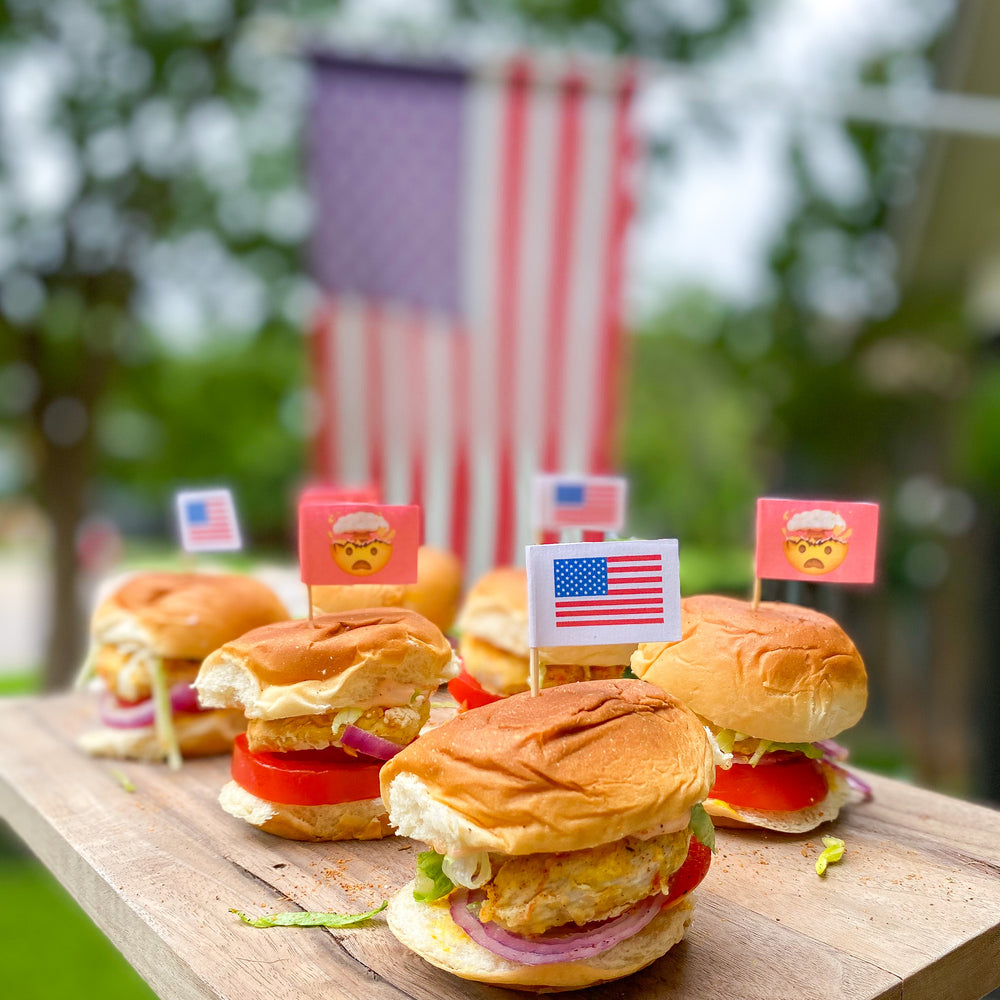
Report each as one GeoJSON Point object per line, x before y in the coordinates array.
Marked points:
{"type": "Point", "coordinates": [469, 239]}
{"type": "Point", "coordinates": [592, 502]}
{"type": "Point", "coordinates": [206, 520]}
{"type": "Point", "coordinates": [588, 593]}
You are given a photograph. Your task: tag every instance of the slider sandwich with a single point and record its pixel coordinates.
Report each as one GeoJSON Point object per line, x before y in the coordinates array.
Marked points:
{"type": "Point", "coordinates": [774, 685]}
{"type": "Point", "coordinates": [435, 595]}
{"type": "Point", "coordinates": [148, 638]}
{"type": "Point", "coordinates": [493, 644]}
{"type": "Point", "coordinates": [326, 701]}
{"type": "Point", "coordinates": [565, 832]}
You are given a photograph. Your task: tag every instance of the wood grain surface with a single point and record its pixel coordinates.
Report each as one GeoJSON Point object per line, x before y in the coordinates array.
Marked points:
{"type": "Point", "coordinates": [912, 912]}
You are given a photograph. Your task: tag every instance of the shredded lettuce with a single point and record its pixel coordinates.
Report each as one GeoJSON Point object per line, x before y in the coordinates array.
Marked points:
{"type": "Point", "coordinates": [87, 669]}
{"type": "Point", "coordinates": [164, 717]}
{"type": "Point", "coordinates": [833, 851]}
{"type": "Point", "coordinates": [431, 882]}
{"type": "Point", "coordinates": [702, 827]}
{"type": "Point", "coordinates": [728, 738]}
{"type": "Point", "coordinates": [470, 872]}
{"type": "Point", "coordinates": [304, 918]}
{"type": "Point", "coordinates": [123, 779]}
{"type": "Point", "coordinates": [627, 673]}
{"type": "Point", "coordinates": [346, 717]}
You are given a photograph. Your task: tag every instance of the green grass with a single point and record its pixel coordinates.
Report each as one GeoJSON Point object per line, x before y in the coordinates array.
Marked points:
{"type": "Point", "coordinates": [50, 948]}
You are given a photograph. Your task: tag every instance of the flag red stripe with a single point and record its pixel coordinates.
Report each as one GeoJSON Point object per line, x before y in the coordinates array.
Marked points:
{"type": "Point", "coordinates": [508, 294]}
{"type": "Point", "coordinates": [612, 342]}
{"type": "Point", "coordinates": [636, 579]}
{"type": "Point", "coordinates": [617, 559]}
{"type": "Point", "coordinates": [617, 621]}
{"type": "Point", "coordinates": [650, 603]}
{"type": "Point", "coordinates": [374, 377]}
{"type": "Point", "coordinates": [567, 168]}
{"type": "Point", "coordinates": [460, 389]}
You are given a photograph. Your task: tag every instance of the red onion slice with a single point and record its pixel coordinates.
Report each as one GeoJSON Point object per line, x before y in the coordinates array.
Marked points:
{"type": "Point", "coordinates": [368, 743]}
{"type": "Point", "coordinates": [832, 750]}
{"type": "Point", "coordinates": [853, 781]}
{"type": "Point", "coordinates": [183, 698]}
{"type": "Point", "coordinates": [592, 939]}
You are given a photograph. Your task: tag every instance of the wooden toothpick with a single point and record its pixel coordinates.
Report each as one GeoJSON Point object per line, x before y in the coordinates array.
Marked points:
{"type": "Point", "coordinates": [533, 671]}
{"type": "Point", "coordinates": [755, 600]}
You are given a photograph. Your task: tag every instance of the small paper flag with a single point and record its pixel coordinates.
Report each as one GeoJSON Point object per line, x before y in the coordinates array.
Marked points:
{"type": "Point", "coordinates": [588, 593]}
{"type": "Point", "coordinates": [206, 520]}
{"type": "Point", "coordinates": [822, 541]}
{"type": "Point", "coordinates": [594, 503]}
{"type": "Point", "coordinates": [358, 543]}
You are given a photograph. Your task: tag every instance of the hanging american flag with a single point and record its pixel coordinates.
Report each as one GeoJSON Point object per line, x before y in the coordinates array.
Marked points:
{"type": "Point", "coordinates": [207, 521]}
{"type": "Point", "coordinates": [585, 593]}
{"type": "Point", "coordinates": [594, 502]}
{"type": "Point", "coordinates": [469, 239]}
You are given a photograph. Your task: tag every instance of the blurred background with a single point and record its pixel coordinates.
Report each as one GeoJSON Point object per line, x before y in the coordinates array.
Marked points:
{"type": "Point", "coordinates": [812, 290]}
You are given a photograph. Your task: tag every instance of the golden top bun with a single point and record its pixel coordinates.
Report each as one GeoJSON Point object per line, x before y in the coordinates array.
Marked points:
{"type": "Point", "coordinates": [435, 595]}
{"type": "Point", "coordinates": [354, 659]}
{"type": "Point", "coordinates": [780, 672]}
{"type": "Point", "coordinates": [577, 766]}
{"type": "Point", "coordinates": [496, 612]}
{"type": "Point", "coordinates": [184, 615]}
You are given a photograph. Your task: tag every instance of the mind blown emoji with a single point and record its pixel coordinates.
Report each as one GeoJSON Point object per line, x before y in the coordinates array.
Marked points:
{"type": "Point", "coordinates": [815, 540]}
{"type": "Point", "coordinates": [361, 542]}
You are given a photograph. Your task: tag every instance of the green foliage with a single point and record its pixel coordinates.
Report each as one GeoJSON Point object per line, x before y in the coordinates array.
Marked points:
{"type": "Point", "coordinates": [51, 948]}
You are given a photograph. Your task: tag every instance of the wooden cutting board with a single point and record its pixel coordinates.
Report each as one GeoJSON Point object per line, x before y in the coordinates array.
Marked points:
{"type": "Point", "coordinates": [912, 912]}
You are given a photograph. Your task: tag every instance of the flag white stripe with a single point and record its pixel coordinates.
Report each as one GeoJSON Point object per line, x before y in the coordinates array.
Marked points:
{"type": "Point", "coordinates": [535, 282]}
{"type": "Point", "coordinates": [590, 258]}
{"type": "Point", "coordinates": [351, 413]}
{"type": "Point", "coordinates": [439, 437]}
{"type": "Point", "coordinates": [398, 408]}
{"type": "Point", "coordinates": [483, 154]}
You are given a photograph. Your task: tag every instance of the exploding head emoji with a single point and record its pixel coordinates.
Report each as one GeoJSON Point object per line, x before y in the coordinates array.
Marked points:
{"type": "Point", "coordinates": [816, 541]}
{"type": "Point", "coordinates": [361, 542]}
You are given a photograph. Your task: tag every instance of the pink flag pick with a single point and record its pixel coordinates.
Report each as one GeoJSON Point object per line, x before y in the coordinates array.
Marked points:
{"type": "Point", "coordinates": [822, 541]}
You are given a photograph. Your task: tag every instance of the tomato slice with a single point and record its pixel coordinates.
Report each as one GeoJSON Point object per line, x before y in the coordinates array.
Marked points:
{"type": "Point", "coordinates": [784, 786]}
{"type": "Point", "coordinates": [468, 692]}
{"type": "Point", "coordinates": [304, 777]}
{"type": "Point", "coordinates": [690, 874]}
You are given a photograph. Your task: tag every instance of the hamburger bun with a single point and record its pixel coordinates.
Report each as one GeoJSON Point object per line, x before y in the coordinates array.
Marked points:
{"type": "Point", "coordinates": [493, 640]}
{"type": "Point", "coordinates": [508, 777]}
{"type": "Point", "coordinates": [347, 660]}
{"type": "Point", "coordinates": [365, 819]}
{"type": "Point", "coordinates": [778, 672]}
{"type": "Point", "coordinates": [435, 595]}
{"type": "Point", "coordinates": [427, 929]}
{"type": "Point", "coordinates": [184, 616]}
{"type": "Point", "coordinates": [199, 734]}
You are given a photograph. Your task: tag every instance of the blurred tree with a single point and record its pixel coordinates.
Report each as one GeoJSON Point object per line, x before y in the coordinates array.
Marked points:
{"type": "Point", "coordinates": [149, 201]}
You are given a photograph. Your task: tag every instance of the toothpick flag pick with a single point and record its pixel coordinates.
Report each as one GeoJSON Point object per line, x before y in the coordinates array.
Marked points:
{"type": "Point", "coordinates": [591, 593]}
{"type": "Point", "coordinates": [822, 541]}
{"type": "Point", "coordinates": [589, 502]}
{"type": "Point", "coordinates": [206, 520]}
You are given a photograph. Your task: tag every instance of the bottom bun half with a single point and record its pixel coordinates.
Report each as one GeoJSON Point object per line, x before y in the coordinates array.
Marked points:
{"type": "Point", "coordinates": [365, 819]}
{"type": "Point", "coordinates": [199, 734]}
{"type": "Point", "coordinates": [428, 930]}
{"type": "Point", "coordinates": [838, 795]}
